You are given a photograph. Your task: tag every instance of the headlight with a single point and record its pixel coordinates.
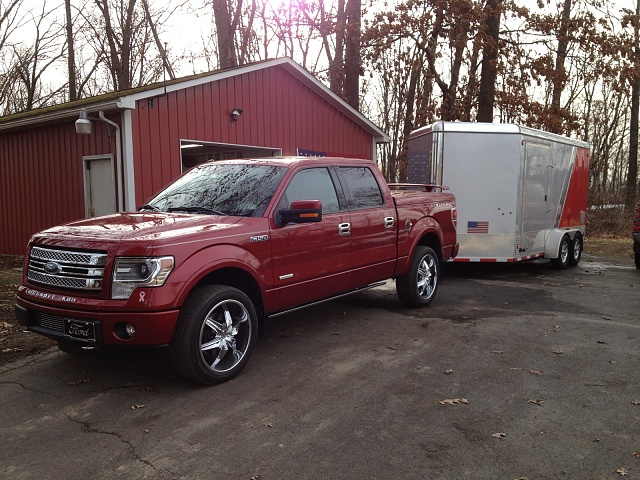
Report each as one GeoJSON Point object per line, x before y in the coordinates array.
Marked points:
{"type": "Point", "coordinates": [130, 273]}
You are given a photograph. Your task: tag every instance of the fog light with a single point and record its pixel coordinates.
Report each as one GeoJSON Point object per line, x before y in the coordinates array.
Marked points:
{"type": "Point", "coordinates": [130, 329]}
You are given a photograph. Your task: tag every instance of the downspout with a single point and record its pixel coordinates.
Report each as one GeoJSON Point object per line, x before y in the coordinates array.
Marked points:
{"type": "Point", "coordinates": [118, 156]}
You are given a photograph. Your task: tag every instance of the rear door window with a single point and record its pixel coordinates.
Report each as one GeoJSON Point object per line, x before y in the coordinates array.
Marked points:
{"type": "Point", "coordinates": [363, 187]}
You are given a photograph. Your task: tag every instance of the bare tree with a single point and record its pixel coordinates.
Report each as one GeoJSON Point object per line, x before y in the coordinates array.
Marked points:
{"type": "Point", "coordinates": [490, 36]}
{"type": "Point", "coordinates": [632, 174]}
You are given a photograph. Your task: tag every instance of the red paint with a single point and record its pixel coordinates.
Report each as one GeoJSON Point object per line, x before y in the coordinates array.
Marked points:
{"type": "Point", "coordinates": [575, 206]}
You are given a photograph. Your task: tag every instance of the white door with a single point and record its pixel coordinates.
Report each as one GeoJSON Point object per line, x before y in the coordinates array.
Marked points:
{"type": "Point", "coordinates": [99, 185]}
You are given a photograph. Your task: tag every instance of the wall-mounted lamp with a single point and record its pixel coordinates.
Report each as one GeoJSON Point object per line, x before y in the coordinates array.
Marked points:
{"type": "Point", "coordinates": [235, 114]}
{"type": "Point", "coordinates": [83, 124]}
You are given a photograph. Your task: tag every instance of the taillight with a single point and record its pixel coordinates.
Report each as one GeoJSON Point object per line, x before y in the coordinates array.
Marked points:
{"type": "Point", "coordinates": [454, 217]}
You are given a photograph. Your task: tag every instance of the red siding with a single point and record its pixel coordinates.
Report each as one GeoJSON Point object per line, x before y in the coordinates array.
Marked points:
{"type": "Point", "coordinates": [279, 111]}
{"type": "Point", "coordinates": [42, 179]}
{"type": "Point", "coordinates": [41, 168]}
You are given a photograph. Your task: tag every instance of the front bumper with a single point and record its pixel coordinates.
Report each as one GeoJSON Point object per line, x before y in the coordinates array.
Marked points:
{"type": "Point", "coordinates": [90, 328]}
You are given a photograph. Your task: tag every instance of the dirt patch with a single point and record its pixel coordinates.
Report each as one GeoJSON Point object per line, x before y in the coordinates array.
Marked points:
{"type": "Point", "coordinates": [15, 343]}
{"type": "Point", "coordinates": [609, 247]}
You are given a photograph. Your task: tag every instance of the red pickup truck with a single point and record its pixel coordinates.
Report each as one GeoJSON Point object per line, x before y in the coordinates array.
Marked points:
{"type": "Point", "coordinates": [204, 263]}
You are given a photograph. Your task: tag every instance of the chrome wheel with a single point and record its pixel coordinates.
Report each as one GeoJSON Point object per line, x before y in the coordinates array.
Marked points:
{"type": "Point", "coordinates": [225, 335]}
{"type": "Point", "coordinates": [427, 278]}
{"type": "Point", "coordinates": [564, 253]}
{"type": "Point", "coordinates": [576, 249]}
{"type": "Point", "coordinates": [418, 286]}
{"type": "Point", "coordinates": [215, 334]}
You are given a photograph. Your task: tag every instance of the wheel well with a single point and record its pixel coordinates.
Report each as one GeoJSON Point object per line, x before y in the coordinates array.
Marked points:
{"type": "Point", "coordinates": [240, 279]}
{"type": "Point", "coordinates": [431, 240]}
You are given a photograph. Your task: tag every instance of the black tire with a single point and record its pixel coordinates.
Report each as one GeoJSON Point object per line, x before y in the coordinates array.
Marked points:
{"type": "Point", "coordinates": [418, 286]}
{"type": "Point", "coordinates": [564, 253]}
{"type": "Point", "coordinates": [215, 334]}
{"type": "Point", "coordinates": [637, 259]}
{"type": "Point", "coordinates": [576, 250]}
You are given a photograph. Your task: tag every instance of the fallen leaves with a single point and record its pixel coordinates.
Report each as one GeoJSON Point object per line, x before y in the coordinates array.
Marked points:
{"type": "Point", "coordinates": [536, 402]}
{"type": "Point", "coordinates": [635, 402]}
{"type": "Point", "coordinates": [536, 372]}
{"type": "Point", "coordinates": [449, 371]}
{"type": "Point", "coordinates": [454, 401]}
{"type": "Point", "coordinates": [79, 382]}
{"type": "Point", "coordinates": [623, 472]}
{"type": "Point", "coordinates": [499, 435]}
{"type": "Point", "coordinates": [136, 407]}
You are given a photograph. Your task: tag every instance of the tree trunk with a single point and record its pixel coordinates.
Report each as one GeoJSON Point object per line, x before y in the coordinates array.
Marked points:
{"type": "Point", "coordinates": [560, 74]}
{"type": "Point", "coordinates": [227, 57]}
{"type": "Point", "coordinates": [491, 29]}
{"type": "Point", "coordinates": [352, 58]}
{"type": "Point", "coordinates": [632, 174]}
{"type": "Point", "coordinates": [71, 61]}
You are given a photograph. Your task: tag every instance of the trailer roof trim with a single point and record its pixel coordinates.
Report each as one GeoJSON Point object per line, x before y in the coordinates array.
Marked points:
{"type": "Point", "coordinates": [499, 128]}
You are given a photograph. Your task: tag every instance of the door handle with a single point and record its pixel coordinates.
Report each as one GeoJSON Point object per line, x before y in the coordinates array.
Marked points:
{"type": "Point", "coordinates": [388, 222]}
{"type": "Point", "coordinates": [344, 229]}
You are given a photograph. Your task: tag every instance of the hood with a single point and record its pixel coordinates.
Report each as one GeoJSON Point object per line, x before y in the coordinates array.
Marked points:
{"type": "Point", "coordinates": [142, 226]}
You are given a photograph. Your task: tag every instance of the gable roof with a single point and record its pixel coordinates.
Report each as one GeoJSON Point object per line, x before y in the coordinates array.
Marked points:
{"type": "Point", "coordinates": [126, 99]}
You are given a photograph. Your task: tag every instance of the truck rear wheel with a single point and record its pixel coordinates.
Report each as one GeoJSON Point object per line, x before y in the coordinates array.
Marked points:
{"type": "Point", "coordinates": [418, 286]}
{"type": "Point", "coordinates": [215, 334]}
{"type": "Point", "coordinates": [576, 250]}
{"type": "Point", "coordinates": [564, 253]}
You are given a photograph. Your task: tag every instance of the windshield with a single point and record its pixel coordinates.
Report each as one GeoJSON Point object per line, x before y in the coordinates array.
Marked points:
{"type": "Point", "coordinates": [222, 189]}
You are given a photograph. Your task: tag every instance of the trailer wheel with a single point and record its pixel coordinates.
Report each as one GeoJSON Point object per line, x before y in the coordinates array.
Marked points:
{"type": "Point", "coordinates": [215, 334]}
{"type": "Point", "coordinates": [576, 250]}
{"type": "Point", "coordinates": [564, 253]}
{"type": "Point", "coordinates": [418, 286]}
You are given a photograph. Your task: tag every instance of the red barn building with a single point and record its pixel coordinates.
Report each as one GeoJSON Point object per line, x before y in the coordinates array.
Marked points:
{"type": "Point", "coordinates": [137, 141]}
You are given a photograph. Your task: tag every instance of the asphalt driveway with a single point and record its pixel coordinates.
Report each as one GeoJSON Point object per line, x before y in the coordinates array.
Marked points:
{"type": "Point", "coordinates": [515, 371]}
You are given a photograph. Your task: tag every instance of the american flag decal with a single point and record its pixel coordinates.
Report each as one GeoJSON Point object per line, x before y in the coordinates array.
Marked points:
{"type": "Point", "coordinates": [477, 227]}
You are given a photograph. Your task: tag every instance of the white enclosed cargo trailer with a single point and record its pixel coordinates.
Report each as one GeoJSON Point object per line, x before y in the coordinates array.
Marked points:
{"type": "Point", "coordinates": [521, 193]}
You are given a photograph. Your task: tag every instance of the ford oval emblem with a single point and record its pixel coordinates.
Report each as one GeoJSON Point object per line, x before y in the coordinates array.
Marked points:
{"type": "Point", "coordinates": [52, 267]}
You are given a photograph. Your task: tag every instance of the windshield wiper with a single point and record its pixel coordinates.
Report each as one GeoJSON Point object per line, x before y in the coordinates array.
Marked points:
{"type": "Point", "coordinates": [148, 206]}
{"type": "Point", "coordinates": [192, 209]}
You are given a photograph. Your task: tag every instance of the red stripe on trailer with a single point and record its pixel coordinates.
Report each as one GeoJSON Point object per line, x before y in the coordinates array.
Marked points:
{"type": "Point", "coordinates": [575, 205]}
{"type": "Point", "coordinates": [497, 260]}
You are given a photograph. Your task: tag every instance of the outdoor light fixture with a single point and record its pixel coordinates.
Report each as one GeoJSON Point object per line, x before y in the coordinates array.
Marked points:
{"type": "Point", "coordinates": [235, 114]}
{"type": "Point", "coordinates": [83, 124]}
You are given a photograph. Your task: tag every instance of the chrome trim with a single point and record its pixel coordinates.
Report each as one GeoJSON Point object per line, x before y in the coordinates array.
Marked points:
{"type": "Point", "coordinates": [344, 229]}
{"type": "Point", "coordinates": [67, 269]}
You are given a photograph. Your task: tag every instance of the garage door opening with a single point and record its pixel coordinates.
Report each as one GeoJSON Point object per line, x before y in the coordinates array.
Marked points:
{"type": "Point", "coordinates": [193, 152]}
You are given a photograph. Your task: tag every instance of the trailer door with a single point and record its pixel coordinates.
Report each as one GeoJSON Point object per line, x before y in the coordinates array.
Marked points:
{"type": "Point", "coordinates": [536, 216]}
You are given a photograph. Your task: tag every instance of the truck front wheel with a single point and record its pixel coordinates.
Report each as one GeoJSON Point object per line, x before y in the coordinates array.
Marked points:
{"type": "Point", "coordinates": [418, 286]}
{"type": "Point", "coordinates": [215, 334]}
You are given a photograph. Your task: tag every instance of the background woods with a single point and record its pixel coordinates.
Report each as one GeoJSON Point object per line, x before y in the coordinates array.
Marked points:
{"type": "Point", "coordinates": [566, 66]}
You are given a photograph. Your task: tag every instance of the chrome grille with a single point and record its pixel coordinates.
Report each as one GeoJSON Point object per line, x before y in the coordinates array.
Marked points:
{"type": "Point", "coordinates": [66, 269]}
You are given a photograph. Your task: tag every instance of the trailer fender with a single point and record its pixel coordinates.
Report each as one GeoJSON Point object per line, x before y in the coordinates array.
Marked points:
{"type": "Point", "coordinates": [552, 245]}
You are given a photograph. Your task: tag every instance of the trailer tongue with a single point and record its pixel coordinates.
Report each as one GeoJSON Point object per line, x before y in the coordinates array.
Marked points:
{"type": "Point", "coordinates": [521, 193]}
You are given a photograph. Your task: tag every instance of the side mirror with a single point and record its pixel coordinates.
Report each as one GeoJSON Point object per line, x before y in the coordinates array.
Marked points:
{"type": "Point", "coordinates": [301, 211]}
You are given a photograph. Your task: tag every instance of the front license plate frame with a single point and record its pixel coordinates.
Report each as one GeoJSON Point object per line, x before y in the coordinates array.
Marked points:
{"type": "Point", "coordinates": [83, 330]}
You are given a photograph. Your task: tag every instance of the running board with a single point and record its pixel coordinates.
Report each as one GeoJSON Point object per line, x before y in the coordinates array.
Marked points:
{"type": "Point", "coordinates": [284, 312]}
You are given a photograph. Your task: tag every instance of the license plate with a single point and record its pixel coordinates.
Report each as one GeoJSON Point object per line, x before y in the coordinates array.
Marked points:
{"type": "Point", "coordinates": [80, 330]}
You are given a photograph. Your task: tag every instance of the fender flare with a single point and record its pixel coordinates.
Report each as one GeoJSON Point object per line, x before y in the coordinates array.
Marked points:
{"type": "Point", "coordinates": [424, 226]}
{"type": "Point", "coordinates": [206, 261]}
